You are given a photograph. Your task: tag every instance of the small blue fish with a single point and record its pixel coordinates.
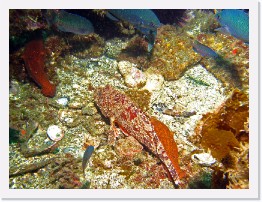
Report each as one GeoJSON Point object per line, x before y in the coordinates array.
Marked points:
{"type": "Point", "coordinates": [143, 20]}
{"type": "Point", "coordinates": [234, 22]}
{"type": "Point", "coordinates": [204, 50]}
{"type": "Point", "coordinates": [88, 152]}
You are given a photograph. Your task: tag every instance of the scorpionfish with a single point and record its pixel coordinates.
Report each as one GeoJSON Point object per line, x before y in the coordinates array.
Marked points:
{"type": "Point", "coordinates": [34, 57]}
{"type": "Point", "coordinates": [132, 121]}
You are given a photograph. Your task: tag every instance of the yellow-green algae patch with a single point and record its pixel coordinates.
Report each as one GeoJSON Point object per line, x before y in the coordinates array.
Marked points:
{"type": "Point", "coordinates": [172, 54]}
{"type": "Point", "coordinates": [140, 97]}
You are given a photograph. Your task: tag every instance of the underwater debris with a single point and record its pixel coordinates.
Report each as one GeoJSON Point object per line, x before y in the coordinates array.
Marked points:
{"type": "Point", "coordinates": [34, 56]}
{"type": "Point", "coordinates": [133, 121]}
{"type": "Point", "coordinates": [234, 22]}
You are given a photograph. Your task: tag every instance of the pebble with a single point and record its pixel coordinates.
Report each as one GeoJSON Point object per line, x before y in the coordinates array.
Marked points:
{"type": "Point", "coordinates": [63, 101]}
{"type": "Point", "coordinates": [55, 133]}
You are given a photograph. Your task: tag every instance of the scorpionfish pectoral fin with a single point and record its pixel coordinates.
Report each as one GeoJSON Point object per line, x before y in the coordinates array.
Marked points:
{"type": "Point", "coordinates": [168, 152]}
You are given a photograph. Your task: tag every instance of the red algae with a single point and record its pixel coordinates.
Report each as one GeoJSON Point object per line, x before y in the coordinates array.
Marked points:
{"type": "Point", "coordinates": [134, 122]}
{"type": "Point", "coordinates": [34, 57]}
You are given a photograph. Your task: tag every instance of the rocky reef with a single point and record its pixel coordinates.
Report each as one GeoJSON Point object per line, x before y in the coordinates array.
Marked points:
{"type": "Point", "coordinates": [201, 103]}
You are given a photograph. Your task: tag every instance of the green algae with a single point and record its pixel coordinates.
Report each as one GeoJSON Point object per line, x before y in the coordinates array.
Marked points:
{"type": "Point", "coordinates": [202, 181]}
{"type": "Point", "coordinates": [13, 136]}
{"type": "Point", "coordinates": [197, 81]}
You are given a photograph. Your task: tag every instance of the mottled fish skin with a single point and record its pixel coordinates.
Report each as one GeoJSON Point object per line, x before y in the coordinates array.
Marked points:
{"type": "Point", "coordinates": [234, 22]}
{"type": "Point", "coordinates": [88, 152]}
{"type": "Point", "coordinates": [204, 51]}
{"type": "Point", "coordinates": [68, 22]}
{"type": "Point", "coordinates": [134, 122]}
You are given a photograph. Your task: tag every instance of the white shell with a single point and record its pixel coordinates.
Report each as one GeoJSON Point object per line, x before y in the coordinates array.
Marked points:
{"type": "Point", "coordinates": [55, 133]}
{"type": "Point", "coordinates": [204, 159]}
{"type": "Point", "coordinates": [62, 101]}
